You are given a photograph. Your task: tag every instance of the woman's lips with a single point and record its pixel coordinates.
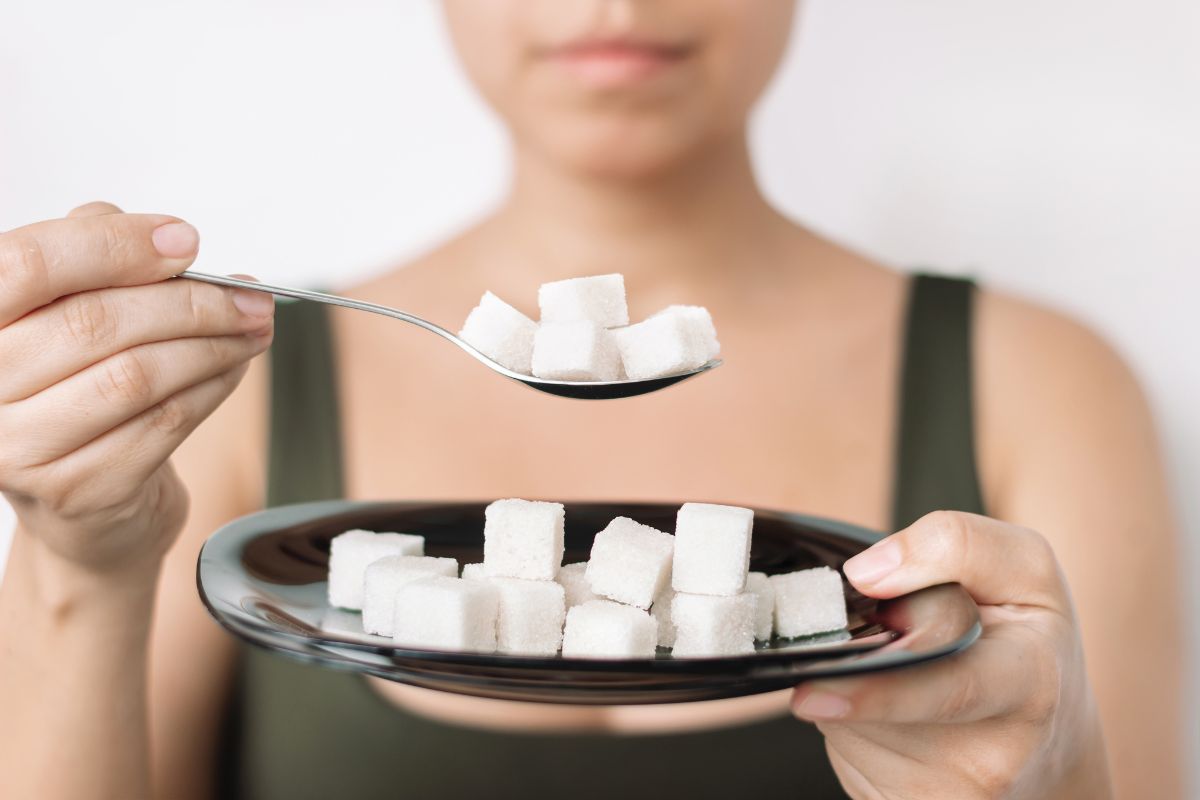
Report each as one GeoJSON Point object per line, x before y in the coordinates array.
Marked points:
{"type": "Point", "coordinates": [615, 64]}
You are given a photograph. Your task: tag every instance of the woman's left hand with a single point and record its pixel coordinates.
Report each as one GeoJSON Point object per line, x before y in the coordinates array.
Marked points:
{"type": "Point", "coordinates": [1012, 716]}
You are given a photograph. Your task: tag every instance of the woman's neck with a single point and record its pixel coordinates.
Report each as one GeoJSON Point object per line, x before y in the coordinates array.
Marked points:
{"type": "Point", "coordinates": [695, 220]}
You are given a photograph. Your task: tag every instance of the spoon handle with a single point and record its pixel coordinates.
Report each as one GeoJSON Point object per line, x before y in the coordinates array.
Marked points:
{"type": "Point", "coordinates": [318, 297]}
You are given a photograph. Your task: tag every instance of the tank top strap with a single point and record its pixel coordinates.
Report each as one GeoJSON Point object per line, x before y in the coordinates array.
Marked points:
{"type": "Point", "coordinates": [935, 452]}
{"type": "Point", "coordinates": [305, 444]}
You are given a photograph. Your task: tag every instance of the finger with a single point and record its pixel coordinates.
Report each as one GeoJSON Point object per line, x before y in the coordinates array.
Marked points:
{"type": "Point", "coordinates": [47, 260]}
{"type": "Point", "coordinates": [973, 685]}
{"type": "Point", "coordinates": [103, 396]}
{"type": "Point", "coordinates": [129, 454]}
{"type": "Point", "coordinates": [849, 775]}
{"type": "Point", "coordinates": [96, 208]}
{"type": "Point", "coordinates": [994, 561]}
{"type": "Point", "coordinates": [868, 766]}
{"type": "Point", "coordinates": [74, 332]}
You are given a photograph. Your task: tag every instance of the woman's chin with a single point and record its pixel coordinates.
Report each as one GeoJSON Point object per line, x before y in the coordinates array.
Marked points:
{"type": "Point", "coordinates": [631, 164]}
{"type": "Point", "coordinates": [622, 153]}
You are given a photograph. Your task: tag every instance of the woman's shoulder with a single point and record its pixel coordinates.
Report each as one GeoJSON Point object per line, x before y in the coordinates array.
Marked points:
{"type": "Point", "coordinates": [1043, 354]}
{"type": "Point", "coordinates": [1050, 389]}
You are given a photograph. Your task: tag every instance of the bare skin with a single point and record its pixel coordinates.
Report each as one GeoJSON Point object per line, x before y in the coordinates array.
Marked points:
{"type": "Point", "coordinates": [1066, 444]}
{"type": "Point", "coordinates": [118, 369]}
{"type": "Point", "coordinates": [822, 451]}
{"type": "Point", "coordinates": [822, 456]}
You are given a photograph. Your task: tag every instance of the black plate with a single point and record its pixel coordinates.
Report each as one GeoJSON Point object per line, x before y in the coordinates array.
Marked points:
{"type": "Point", "coordinates": [263, 578]}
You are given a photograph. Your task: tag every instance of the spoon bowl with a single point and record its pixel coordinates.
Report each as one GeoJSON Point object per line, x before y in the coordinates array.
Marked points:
{"type": "Point", "coordinates": [580, 390]}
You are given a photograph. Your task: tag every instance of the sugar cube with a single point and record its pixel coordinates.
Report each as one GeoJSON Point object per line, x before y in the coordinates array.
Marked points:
{"type": "Point", "coordinates": [352, 551]}
{"type": "Point", "coordinates": [700, 326]}
{"type": "Point", "coordinates": [531, 616]}
{"type": "Point", "coordinates": [474, 572]}
{"type": "Point", "coordinates": [573, 578]}
{"type": "Point", "coordinates": [575, 351]}
{"type": "Point", "coordinates": [676, 339]}
{"type": "Point", "coordinates": [446, 613]}
{"type": "Point", "coordinates": [763, 590]}
{"type": "Point", "coordinates": [501, 333]}
{"type": "Point", "coordinates": [630, 562]}
{"type": "Point", "coordinates": [661, 613]}
{"type": "Point", "coordinates": [599, 299]}
{"type": "Point", "coordinates": [713, 625]}
{"type": "Point", "coordinates": [809, 601]}
{"type": "Point", "coordinates": [712, 549]}
{"type": "Point", "coordinates": [383, 579]}
{"type": "Point", "coordinates": [604, 629]}
{"type": "Point", "coordinates": [523, 539]}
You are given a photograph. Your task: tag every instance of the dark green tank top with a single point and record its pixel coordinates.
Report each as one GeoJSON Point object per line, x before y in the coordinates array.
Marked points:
{"type": "Point", "coordinates": [298, 731]}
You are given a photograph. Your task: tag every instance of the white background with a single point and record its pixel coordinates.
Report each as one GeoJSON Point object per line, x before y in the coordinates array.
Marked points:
{"type": "Point", "coordinates": [1052, 148]}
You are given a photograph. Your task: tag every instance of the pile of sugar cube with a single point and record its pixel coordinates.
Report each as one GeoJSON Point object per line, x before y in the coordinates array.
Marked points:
{"type": "Point", "coordinates": [584, 334]}
{"type": "Point", "coordinates": [641, 589]}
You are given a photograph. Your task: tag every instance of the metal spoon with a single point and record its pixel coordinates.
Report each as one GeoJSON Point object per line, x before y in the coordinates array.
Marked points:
{"type": "Point", "coordinates": [582, 390]}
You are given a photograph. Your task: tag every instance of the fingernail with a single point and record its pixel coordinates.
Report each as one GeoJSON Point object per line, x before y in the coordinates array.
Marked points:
{"type": "Point", "coordinates": [253, 304]}
{"type": "Point", "coordinates": [175, 240]}
{"type": "Point", "coordinates": [822, 705]}
{"type": "Point", "coordinates": [873, 564]}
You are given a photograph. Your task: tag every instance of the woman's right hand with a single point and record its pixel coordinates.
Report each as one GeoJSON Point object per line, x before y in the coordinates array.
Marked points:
{"type": "Point", "coordinates": [107, 367]}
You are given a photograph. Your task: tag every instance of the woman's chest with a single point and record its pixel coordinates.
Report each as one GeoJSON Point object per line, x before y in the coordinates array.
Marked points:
{"type": "Point", "coordinates": [800, 417]}
{"type": "Point", "coordinates": [742, 435]}
{"type": "Point", "coordinates": [806, 429]}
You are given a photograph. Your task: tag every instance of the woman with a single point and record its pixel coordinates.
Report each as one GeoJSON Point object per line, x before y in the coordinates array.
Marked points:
{"type": "Point", "coordinates": [628, 122]}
